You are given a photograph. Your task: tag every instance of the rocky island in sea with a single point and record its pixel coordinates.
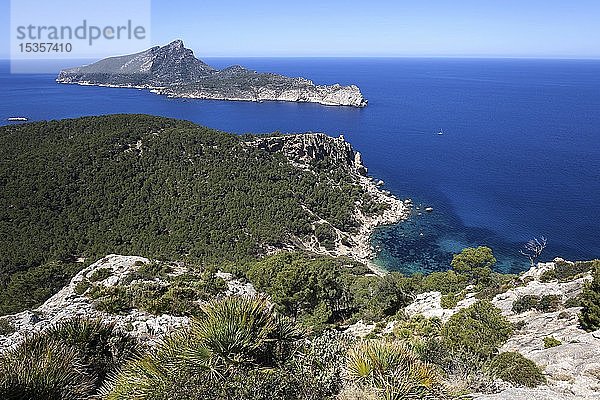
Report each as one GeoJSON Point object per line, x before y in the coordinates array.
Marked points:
{"type": "Point", "coordinates": [174, 71]}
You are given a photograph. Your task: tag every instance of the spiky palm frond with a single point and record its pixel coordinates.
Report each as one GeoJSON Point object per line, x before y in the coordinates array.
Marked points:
{"type": "Point", "coordinates": [242, 330]}
{"type": "Point", "coordinates": [44, 369]}
{"type": "Point", "coordinates": [394, 369]}
{"type": "Point", "coordinates": [234, 334]}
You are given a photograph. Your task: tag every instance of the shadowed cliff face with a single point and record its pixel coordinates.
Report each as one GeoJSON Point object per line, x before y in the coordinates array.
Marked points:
{"type": "Point", "coordinates": [174, 71]}
{"type": "Point", "coordinates": [308, 148]}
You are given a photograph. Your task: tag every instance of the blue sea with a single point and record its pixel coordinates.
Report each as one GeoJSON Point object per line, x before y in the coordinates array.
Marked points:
{"type": "Point", "coordinates": [519, 157]}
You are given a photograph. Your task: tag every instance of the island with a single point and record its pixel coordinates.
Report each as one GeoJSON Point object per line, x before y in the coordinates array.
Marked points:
{"type": "Point", "coordinates": [174, 71]}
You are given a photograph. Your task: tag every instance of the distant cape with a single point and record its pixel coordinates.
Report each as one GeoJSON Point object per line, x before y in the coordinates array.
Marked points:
{"type": "Point", "coordinates": [174, 71]}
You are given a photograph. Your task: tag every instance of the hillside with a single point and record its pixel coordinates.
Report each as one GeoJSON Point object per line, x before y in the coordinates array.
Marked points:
{"type": "Point", "coordinates": [76, 190]}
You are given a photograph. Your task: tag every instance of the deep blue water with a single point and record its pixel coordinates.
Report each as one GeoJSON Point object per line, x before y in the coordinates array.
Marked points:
{"type": "Point", "coordinates": [520, 156]}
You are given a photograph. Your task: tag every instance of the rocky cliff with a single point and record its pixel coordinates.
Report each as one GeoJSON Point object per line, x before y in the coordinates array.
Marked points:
{"type": "Point", "coordinates": [172, 70]}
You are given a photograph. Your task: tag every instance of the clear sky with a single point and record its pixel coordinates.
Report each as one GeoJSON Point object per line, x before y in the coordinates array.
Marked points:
{"type": "Point", "coordinates": [480, 28]}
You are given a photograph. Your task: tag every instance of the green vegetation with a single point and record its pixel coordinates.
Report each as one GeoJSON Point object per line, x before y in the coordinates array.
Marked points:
{"type": "Point", "coordinates": [238, 349]}
{"type": "Point", "coordinates": [525, 303]}
{"type": "Point", "coordinates": [514, 368]}
{"type": "Point", "coordinates": [100, 274]}
{"type": "Point", "coordinates": [590, 301]}
{"type": "Point", "coordinates": [475, 263]}
{"type": "Point", "coordinates": [6, 327]}
{"type": "Point", "coordinates": [549, 303]}
{"type": "Point", "coordinates": [564, 271]}
{"type": "Point", "coordinates": [393, 371]}
{"type": "Point", "coordinates": [68, 361]}
{"type": "Point", "coordinates": [479, 329]}
{"type": "Point", "coordinates": [451, 300]}
{"type": "Point", "coordinates": [550, 341]}
{"type": "Point", "coordinates": [177, 295]}
{"type": "Point", "coordinates": [546, 303]}
{"type": "Point", "coordinates": [86, 190]}
{"type": "Point", "coordinates": [30, 288]}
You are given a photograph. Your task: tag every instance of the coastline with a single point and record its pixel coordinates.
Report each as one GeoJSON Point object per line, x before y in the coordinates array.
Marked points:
{"type": "Point", "coordinates": [257, 95]}
{"type": "Point", "coordinates": [301, 150]}
{"type": "Point", "coordinates": [398, 210]}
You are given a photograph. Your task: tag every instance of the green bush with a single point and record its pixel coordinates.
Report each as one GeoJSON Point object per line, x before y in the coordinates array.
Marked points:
{"type": "Point", "coordinates": [514, 368]}
{"type": "Point", "coordinates": [476, 263]}
{"type": "Point", "coordinates": [6, 327]}
{"type": "Point", "coordinates": [445, 282]}
{"type": "Point", "coordinates": [479, 329]}
{"type": "Point", "coordinates": [82, 286]}
{"type": "Point", "coordinates": [589, 318]}
{"type": "Point", "coordinates": [550, 341]}
{"type": "Point", "coordinates": [451, 300]}
{"type": "Point", "coordinates": [565, 271]}
{"type": "Point", "coordinates": [28, 289]}
{"type": "Point", "coordinates": [100, 274]}
{"type": "Point", "coordinates": [314, 290]}
{"type": "Point", "coordinates": [67, 361]}
{"type": "Point", "coordinates": [417, 327]}
{"type": "Point", "coordinates": [549, 303]}
{"type": "Point", "coordinates": [176, 296]}
{"type": "Point", "coordinates": [525, 303]}
{"type": "Point", "coordinates": [149, 271]}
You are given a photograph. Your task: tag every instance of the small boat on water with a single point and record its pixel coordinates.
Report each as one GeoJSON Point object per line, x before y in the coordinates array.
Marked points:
{"type": "Point", "coordinates": [17, 119]}
{"type": "Point", "coordinates": [441, 132]}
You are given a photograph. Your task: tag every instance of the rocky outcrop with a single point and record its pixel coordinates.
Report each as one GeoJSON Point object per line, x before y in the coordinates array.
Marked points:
{"type": "Point", "coordinates": [306, 149]}
{"type": "Point", "coordinates": [68, 303]}
{"type": "Point", "coordinates": [172, 70]}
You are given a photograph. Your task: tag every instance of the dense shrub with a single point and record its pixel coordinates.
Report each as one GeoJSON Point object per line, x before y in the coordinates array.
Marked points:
{"type": "Point", "coordinates": [550, 341]}
{"type": "Point", "coordinates": [446, 282]}
{"type": "Point", "coordinates": [476, 263]}
{"type": "Point", "coordinates": [479, 329]}
{"type": "Point", "coordinates": [29, 289]}
{"type": "Point", "coordinates": [312, 289]}
{"type": "Point", "coordinates": [66, 361]}
{"type": "Point", "coordinates": [514, 368]}
{"type": "Point", "coordinates": [417, 328]}
{"type": "Point", "coordinates": [234, 350]}
{"type": "Point", "coordinates": [549, 303]}
{"type": "Point", "coordinates": [564, 271]}
{"type": "Point", "coordinates": [589, 317]}
{"type": "Point", "coordinates": [100, 274]}
{"type": "Point", "coordinates": [377, 298]}
{"type": "Point", "coordinates": [176, 296]}
{"type": "Point", "coordinates": [545, 303]}
{"type": "Point", "coordinates": [451, 300]}
{"type": "Point", "coordinates": [6, 327]}
{"type": "Point", "coordinates": [525, 303]}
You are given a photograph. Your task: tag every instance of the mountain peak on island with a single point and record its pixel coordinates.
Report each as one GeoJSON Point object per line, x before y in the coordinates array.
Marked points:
{"type": "Point", "coordinates": [173, 70]}
{"type": "Point", "coordinates": [177, 43]}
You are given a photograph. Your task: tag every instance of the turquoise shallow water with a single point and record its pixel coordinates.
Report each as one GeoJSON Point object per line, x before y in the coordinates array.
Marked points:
{"type": "Point", "coordinates": [520, 156]}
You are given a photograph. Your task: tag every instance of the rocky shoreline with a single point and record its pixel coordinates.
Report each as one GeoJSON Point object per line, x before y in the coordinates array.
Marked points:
{"type": "Point", "coordinates": [301, 150]}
